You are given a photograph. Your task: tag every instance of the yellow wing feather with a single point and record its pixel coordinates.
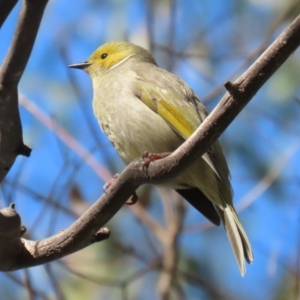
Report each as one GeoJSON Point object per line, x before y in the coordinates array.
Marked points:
{"type": "Point", "coordinates": [181, 116]}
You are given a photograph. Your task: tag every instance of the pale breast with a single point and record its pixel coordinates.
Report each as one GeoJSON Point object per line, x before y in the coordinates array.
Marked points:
{"type": "Point", "coordinates": [130, 125]}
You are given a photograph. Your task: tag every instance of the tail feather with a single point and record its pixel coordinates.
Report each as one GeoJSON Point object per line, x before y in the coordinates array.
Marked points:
{"type": "Point", "coordinates": [237, 238]}
{"type": "Point", "coordinates": [245, 241]}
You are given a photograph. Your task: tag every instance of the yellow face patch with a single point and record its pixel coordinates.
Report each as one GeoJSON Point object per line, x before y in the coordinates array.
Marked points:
{"type": "Point", "coordinates": [110, 54]}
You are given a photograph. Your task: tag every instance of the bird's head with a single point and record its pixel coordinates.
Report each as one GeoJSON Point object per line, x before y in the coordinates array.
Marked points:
{"type": "Point", "coordinates": [112, 55]}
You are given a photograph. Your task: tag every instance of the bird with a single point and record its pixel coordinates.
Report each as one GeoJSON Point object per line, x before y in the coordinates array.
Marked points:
{"type": "Point", "coordinates": [144, 108]}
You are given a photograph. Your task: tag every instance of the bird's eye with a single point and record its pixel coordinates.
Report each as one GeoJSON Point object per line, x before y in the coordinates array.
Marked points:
{"type": "Point", "coordinates": [104, 55]}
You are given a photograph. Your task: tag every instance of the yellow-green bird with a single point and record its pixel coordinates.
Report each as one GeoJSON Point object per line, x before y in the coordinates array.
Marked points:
{"type": "Point", "coordinates": [142, 107]}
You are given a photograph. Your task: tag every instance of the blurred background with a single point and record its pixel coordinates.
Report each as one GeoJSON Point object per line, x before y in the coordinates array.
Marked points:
{"type": "Point", "coordinates": [205, 43]}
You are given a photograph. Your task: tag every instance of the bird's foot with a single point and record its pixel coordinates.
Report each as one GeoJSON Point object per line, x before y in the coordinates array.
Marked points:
{"type": "Point", "coordinates": [108, 184]}
{"type": "Point", "coordinates": [132, 200]}
{"type": "Point", "coordinates": [149, 157]}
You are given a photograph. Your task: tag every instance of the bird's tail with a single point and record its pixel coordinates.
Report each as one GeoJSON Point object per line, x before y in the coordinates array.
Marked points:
{"type": "Point", "coordinates": [237, 237]}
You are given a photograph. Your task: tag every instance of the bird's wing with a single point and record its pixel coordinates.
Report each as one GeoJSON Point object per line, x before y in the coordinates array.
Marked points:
{"type": "Point", "coordinates": [177, 107]}
{"type": "Point", "coordinates": [171, 104]}
{"type": "Point", "coordinates": [181, 118]}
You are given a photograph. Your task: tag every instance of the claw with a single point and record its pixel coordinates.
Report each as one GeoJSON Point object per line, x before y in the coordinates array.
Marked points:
{"type": "Point", "coordinates": [108, 184]}
{"type": "Point", "coordinates": [132, 200]}
{"type": "Point", "coordinates": [149, 157]}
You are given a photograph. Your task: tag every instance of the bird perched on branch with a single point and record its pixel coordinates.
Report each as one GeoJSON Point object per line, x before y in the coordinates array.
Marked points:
{"type": "Point", "coordinates": [142, 107]}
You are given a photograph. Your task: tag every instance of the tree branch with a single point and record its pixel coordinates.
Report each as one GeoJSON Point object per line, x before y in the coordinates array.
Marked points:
{"type": "Point", "coordinates": [174, 218]}
{"type": "Point", "coordinates": [11, 141]}
{"type": "Point", "coordinates": [85, 230]}
{"type": "Point", "coordinates": [6, 7]}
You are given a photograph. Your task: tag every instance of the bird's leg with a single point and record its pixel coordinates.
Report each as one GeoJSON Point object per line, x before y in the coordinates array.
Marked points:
{"type": "Point", "coordinates": [149, 157]}
{"type": "Point", "coordinates": [132, 200]}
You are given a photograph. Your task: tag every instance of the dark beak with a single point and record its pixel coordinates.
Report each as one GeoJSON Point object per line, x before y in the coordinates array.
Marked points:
{"type": "Point", "coordinates": [81, 65]}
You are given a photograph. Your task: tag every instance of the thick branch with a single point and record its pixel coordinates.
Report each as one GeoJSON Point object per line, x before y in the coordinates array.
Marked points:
{"type": "Point", "coordinates": [11, 141]}
{"type": "Point", "coordinates": [82, 232]}
{"type": "Point", "coordinates": [5, 8]}
{"type": "Point", "coordinates": [23, 41]}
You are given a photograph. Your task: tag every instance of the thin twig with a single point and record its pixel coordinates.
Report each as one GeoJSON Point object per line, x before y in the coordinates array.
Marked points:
{"type": "Point", "coordinates": [170, 247]}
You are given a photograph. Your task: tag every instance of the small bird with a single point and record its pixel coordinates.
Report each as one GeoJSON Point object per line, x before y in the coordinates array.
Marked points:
{"type": "Point", "coordinates": [142, 107]}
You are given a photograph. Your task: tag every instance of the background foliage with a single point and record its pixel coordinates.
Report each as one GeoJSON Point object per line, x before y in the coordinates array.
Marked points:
{"type": "Point", "coordinates": [205, 43]}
